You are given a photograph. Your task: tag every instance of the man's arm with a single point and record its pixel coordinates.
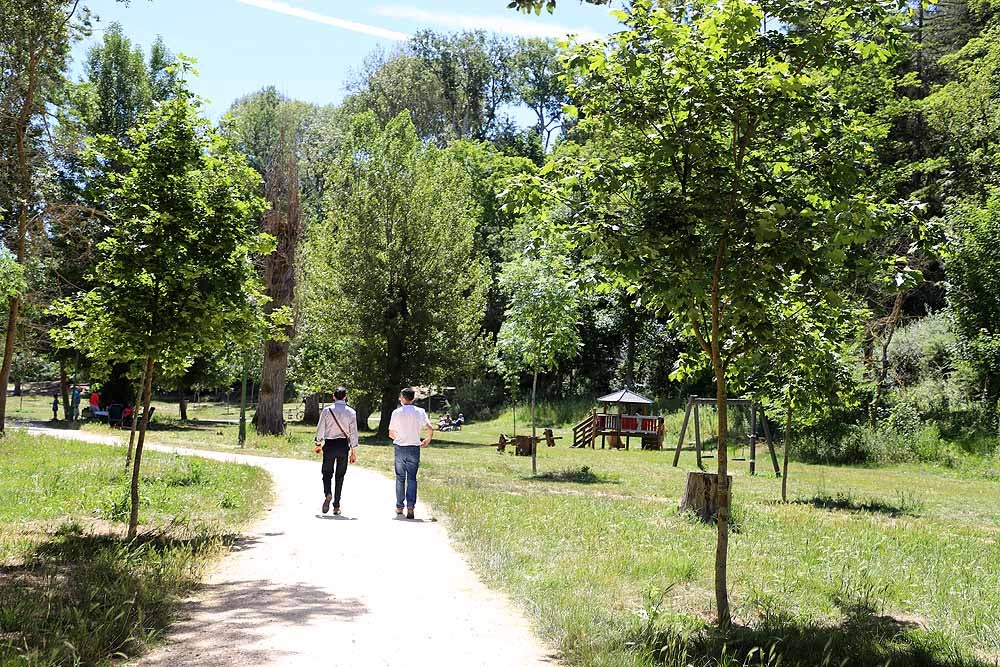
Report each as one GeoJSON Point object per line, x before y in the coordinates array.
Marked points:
{"type": "Point", "coordinates": [321, 427]}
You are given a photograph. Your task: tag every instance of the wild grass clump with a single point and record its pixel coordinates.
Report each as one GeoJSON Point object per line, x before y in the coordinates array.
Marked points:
{"type": "Point", "coordinates": [73, 591]}
{"type": "Point", "coordinates": [83, 597]}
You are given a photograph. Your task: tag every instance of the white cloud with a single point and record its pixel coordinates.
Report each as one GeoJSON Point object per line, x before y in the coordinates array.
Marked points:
{"type": "Point", "coordinates": [511, 25]}
{"type": "Point", "coordinates": [364, 29]}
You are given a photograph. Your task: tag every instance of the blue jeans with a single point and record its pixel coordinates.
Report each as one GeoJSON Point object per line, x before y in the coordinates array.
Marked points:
{"type": "Point", "coordinates": [407, 463]}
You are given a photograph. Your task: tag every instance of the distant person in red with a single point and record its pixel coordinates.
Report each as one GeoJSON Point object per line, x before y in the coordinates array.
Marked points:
{"type": "Point", "coordinates": [95, 400]}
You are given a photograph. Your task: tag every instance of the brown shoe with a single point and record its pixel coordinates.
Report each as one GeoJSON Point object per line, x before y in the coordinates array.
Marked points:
{"type": "Point", "coordinates": [409, 512]}
{"type": "Point", "coordinates": [336, 510]}
{"type": "Point", "coordinates": [326, 504]}
{"type": "Point", "coordinates": [399, 512]}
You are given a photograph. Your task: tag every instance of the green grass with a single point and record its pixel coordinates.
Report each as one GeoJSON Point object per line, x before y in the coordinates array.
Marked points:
{"type": "Point", "coordinates": [72, 589]}
{"type": "Point", "coordinates": [897, 563]}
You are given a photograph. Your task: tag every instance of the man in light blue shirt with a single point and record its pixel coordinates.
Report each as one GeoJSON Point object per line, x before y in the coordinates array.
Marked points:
{"type": "Point", "coordinates": [404, 429]}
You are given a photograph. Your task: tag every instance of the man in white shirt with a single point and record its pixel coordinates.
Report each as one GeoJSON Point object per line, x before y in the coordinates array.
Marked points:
{"type": "Point", "coordinates": [337, 438]}
{"type": "Point", "coordinates": [404, 429]}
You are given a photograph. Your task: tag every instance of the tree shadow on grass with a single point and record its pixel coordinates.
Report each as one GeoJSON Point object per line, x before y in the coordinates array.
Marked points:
{"type": "Point", "coordinates": [846, 502]}
{"type": "Point", "coordinates": [581, 475]}
{"type": "Point", "coordinates": [80, 598]}
{"type": "Point", "coordinates": [862, 639]}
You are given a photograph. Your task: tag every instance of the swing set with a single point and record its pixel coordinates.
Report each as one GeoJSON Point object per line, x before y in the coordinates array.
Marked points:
{"type": "Point", "coordinates": [749, 443]}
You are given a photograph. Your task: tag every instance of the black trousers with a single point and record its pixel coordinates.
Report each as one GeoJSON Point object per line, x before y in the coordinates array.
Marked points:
{"type": "Point", "coordinates": [335, 454]}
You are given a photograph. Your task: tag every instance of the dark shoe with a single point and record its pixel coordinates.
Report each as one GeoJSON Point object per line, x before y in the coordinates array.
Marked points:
{"type": "Point", "coordinates": [399, 512]}
{"type": "Point", "coordinates": [326, 504]}
{"type": "Point", "coordinates": [336, 510]}
{"type": "Point", "coordinates": [409, 513]}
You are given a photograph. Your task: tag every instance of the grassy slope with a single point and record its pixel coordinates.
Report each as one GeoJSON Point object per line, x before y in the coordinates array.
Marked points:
{"type": "Point", "coordinates": [72, 590]}
{"type": "Point", "coordinates": [589, 554]}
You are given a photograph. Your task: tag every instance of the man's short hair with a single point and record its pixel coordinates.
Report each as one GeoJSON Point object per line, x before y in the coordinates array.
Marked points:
{"type": "Point", "coordinates": [408, 393]}
{"type": "Point", "coordinates": [340, 393]}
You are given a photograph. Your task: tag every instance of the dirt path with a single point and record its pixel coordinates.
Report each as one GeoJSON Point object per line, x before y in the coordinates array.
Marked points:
{"type": "Point", "coordinates": [360, 589]}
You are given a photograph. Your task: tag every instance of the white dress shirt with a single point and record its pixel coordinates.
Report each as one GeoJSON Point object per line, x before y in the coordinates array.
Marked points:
{"type": "Point", "coordinates": [406, 422]}
{"type": "Point", "coordinates": [328, 429]}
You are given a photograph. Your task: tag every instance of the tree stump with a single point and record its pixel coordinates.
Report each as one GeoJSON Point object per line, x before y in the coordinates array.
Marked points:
{"type": "Point", "coordinates": [701, 493]}
{"type": "Point", "coordinates": [550, 439]}
{"type": "Point", "coordinates": [522, 445]}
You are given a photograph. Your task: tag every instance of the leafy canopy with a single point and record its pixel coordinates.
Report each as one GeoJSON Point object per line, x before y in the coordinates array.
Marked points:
{"type": "Point", "coordinates": [174, 275]}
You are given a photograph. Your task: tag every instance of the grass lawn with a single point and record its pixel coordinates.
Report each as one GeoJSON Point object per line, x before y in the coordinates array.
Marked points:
{"type": "Point", "coordinates": [72, 590]}
{"type": "Point", "coordinates": [864, 566]}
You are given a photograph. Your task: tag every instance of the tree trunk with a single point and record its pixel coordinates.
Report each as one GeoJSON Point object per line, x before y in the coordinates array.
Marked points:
{"type": "Point", "coordinates": [701, 495]}
{"type": "Point", "coordinates": [394, 374]}
{"type": "Point", "coordinates": [364, 408]}
{"type": "Point", "coordinates": [182, 404]}
{"type": "Point", "coordinates": [270, 418]}
{"type": "Point", "coordinates": [131, 435]}
{"type": "Point", "coordinates": [389, 403]}
{"type": "Point", "coordinates": [890, 329]}
{"type": "Point", "coordinates": [630, 349]}
{"type": "Point", "coordinates": [18, 391]}
{"type": "Point", "coordinates": [64, 391]}
{"type": "Point", "coordinates": [534, 441]}
{"type": "Point", "coordinates": [788, 446]}
{"type": "Point", "coordinates": [310, 413]}
{"type": "Point", "coordinates": [281, 189]}
{"type": "Point", "coordinates": [722, 453]}
{"type": "Point", "coordinates": [147, 390]}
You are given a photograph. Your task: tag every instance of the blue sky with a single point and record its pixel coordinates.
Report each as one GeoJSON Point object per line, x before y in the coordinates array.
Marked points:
{"type": "Point", "coordinates": [308, 48]}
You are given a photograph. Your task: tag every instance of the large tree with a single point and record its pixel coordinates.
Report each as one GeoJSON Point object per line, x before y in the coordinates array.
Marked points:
{"type": "Point", "coordinates": [726, 166]}
{"type": "Point", "coordinates": [394, 283]}
{"type": "Point", "coordinates": [34, 46]}
{"type": "Point", "coordinates": [267, 128]}
{"type": "Point", "coordinates": [176, 276]}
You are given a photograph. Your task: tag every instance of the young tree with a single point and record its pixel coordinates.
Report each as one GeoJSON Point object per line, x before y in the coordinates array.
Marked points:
{"type": "Point", "coordinates": [540, 323]}
{"type": "Point", "coordinates": [176, 276]}
{"type": "Point", "coordinates": [394, 277]}
{"type": "Point", "coordinates": [725, 165]}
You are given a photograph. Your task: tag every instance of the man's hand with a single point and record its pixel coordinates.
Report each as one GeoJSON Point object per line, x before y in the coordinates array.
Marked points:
{"type": "Point", "coordinates": [319, 448]}
{"type": "Point", "coordinates": [425, 442]}
{"type": "Point", "coordinates": [354, 456]}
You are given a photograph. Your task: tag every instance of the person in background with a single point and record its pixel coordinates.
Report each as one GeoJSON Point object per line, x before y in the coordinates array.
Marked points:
{"type": "Point", "coordinates": [75, 403]}
{"type": "Point", "coordinates": [459, 421]}
{"type": "Point", "coordinates": [95, 400]}
{"type": "Point", "coordinates": [337, 439]}
{"type": "Point", "coordinates": [55, 407]}
{"type": "Point", "coordinates": [404, 429]}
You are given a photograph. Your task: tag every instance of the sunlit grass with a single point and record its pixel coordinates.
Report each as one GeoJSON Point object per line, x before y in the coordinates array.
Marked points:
{"type": "Point", "coordinates": [72, 589]}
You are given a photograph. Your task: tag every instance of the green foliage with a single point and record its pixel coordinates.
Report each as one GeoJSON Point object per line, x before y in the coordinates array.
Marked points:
{"type": "Point", "coordinates": [974, 292]}
{"type": "Point", "coordinates": [12, 281]}
{"type": "Point", "coordinates": [393, 288]}
{"type": "Point", "coordinates": [540, 323]}
{"type": "Point", "coordinates": [173, 276]}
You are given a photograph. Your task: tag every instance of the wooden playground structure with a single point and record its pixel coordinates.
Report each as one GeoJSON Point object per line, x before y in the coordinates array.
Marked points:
{"type": "Point", "coordinates": [692, 409]}
{"type": "Point", "coordinates": [624, 415]}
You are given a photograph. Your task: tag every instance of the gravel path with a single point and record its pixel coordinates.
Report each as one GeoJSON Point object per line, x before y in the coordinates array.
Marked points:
{"type": "Point", "coordinates": [360, 589]}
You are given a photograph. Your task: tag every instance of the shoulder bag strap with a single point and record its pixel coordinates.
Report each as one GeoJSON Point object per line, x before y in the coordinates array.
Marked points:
{"type": "Point", "coordinates": [342, 429]}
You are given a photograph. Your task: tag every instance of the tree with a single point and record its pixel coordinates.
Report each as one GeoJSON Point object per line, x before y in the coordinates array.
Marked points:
{"type": "Point", "coordinates": [974, 290]}
{"type": "Point", "coordinates": [176, 272]}
{"type": "Point", "coordinates": [726, 166]}
{"type": "Point", "coordinates": [539, 85]}
{"type": "Point", "coordinates": [475, 72]}
{"type": "Point", "coordinates": [34, 46]}
{"type": "Point", "coordinates": [267, 128]}
{"type": "Point", "coordinates": [539, 325]}
{"type": "Point", "coordinates": [404, 305]}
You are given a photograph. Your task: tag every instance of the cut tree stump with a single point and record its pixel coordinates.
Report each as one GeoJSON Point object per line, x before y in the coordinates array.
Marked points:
{"type": "Point", "coordinates": [701, 493]}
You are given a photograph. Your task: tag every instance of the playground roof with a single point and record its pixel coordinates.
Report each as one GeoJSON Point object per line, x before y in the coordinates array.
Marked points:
{"type": "Point", "coordinates": [625, 396]}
